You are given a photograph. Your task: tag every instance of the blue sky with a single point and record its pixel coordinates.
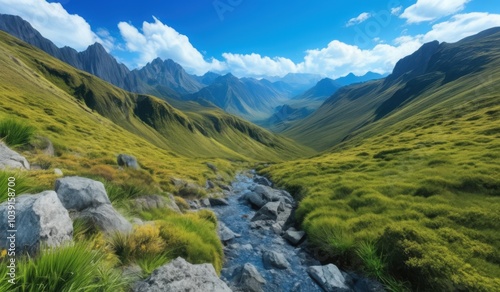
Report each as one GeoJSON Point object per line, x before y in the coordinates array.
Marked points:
{"type": "Point", "coordinates": [257, 37]}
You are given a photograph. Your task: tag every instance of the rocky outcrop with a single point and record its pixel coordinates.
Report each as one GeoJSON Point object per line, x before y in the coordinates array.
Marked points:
{"type": "Point", "coordinates": [40, 219]}
{"type": "Point", "coordinates": [329, 278]}
{"type": "Point", "coordinates": [180, 275]}
{"type": "Point", "coordinates": [129, 161]}
{"type": "Point", "coordinates": [249, 279]}
{"type": "Point", "coordinates": [86, 198]}
{"type": "Point", "coordinates": [10, 159]}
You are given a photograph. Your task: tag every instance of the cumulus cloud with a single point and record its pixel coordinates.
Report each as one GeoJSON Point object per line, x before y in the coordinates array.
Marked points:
{"type": "Point", "coordinates": [429, 10]}
{"type": "Point", "coordinates": [256, 65]}
{"type": "Point", "coordinates": [462, 25]}
{"type": "Point", "coordinates": [359, 19]}
{"type": "Point", "coordinates": [160, 40]}
{"type": "Point", "coordinates": [54, 23]}
{"type": "Point", "coordinates": [339, 58]}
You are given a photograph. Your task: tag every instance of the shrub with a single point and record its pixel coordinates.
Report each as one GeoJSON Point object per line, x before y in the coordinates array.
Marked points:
{"type": "Point", "coordinates": [144, 241]}
{"type": "Point", "coordinates": [15, 132]}
{"type": "Point", "coordinates": [69, 268]}
{"type": "Point", "coordinates": [192, 238]}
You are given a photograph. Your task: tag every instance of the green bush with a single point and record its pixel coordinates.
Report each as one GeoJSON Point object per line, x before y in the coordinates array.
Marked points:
{"type": "Point", "coordinates": [69, 268]}
{"type": "Point", "coordinates": [16, 133]}
{"type": "Point", "coordinates": [192, 238]}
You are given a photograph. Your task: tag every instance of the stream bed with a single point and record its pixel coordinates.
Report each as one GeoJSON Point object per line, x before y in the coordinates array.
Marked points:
{"type": "Point", "coordinates": [250, 244]}
{"type": "Point", "coordinates": [264, 252]}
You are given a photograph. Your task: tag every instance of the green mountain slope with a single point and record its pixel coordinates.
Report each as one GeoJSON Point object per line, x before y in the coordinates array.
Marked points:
{"type": "Point", "coordinates": [412, 194]}
{"type": "Point", "coordinates": [87, 116]}
{"type": "Point", "coordinates": [434, 77]}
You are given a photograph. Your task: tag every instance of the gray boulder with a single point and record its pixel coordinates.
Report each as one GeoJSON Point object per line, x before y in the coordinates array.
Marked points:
{"type": "Point", "coordinates": [329, 278]}
{"type": "Point", "coordinates": [255, 200]}
{"type": "Point", "coordinates": [218, 202]}
{"type": "Point", "coordinates": [180, 275]}
{"type": "Point", "coordinates": [269, 211]}
{"type": "Point", "coordinates": [125, 160]}
{"type": "Point", "coordinates": [294, 236]}
{"type": "Point", "coordinates": [156, 202]}
{"type": "Point", "coordinates": [78, 193]}
{"type": "Point", "coordinates": [10, 159]}
{"type": "Point", "coordinates": [274, 259]}
{"type": "Point", "coordinates": [263, 181]}
{"type": "Point", "coordinates": [40, 219]}
{"type": "Point", "coordinates": [249, 279]}
{"type": "Point", "coordinates": [106, 218]}
{"type": "Point", "coordinates": [86, 198]}
{"type": "Point", "coordinates": [225, 234]}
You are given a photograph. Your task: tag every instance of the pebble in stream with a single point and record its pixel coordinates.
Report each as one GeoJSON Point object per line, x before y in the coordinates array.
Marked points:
{"type": "Point", "coordinates": [261, 249]}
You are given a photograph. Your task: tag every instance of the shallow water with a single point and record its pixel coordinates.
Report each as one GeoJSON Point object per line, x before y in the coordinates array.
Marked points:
{"type": "Point", "coordinates": [237, 217]}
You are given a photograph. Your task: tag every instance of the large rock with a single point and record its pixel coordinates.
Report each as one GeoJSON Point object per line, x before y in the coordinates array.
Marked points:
{"type": "Point", "coordinates": [249, 279]}
{"type": "Point", "coordinates": [274, 259]}
{"type": "Point", "coordinates": [329, 278]}
{"type": "Point", "coordinates": [78, 193]}
{"type": "Point", "coordinates": [106, 218]}
{"type": "Point", "coordinates": [156, 202]}
{"type": "Point", "coordinates": [218, 202]}
{"type": "Point", "coordinates": [263, 181]}
{"type": "Point", "coordinates": [269, 211]}
{"type": "Point", "coordinates": [129, 161]}
{"type": "Point", "coordinates": [255, 200]}
{"type": "Point", "coordinates": [293, 236]}
{"type": "Point", "coordinates": [40, 219]}
{"type": "Point", "coordinates": [180, 275]}
{"type": "Point", "coordinates": [86, 198]}
{"type": "Point", "coordinates": [10, 159]}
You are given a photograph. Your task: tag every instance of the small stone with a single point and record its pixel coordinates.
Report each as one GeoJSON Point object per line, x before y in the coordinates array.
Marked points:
{"type": "Point", "coordinates": [58, 172]}
{"type": "Point", "coordinates": [294, 237]}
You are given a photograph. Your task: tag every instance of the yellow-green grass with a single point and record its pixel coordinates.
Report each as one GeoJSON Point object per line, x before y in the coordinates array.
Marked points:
{"type": "Point", "coordinates": [73, 267]}
{"type": "Point", "coordinates": [425, 192]}
{"type": "Point", "coordinates": [90, 121]}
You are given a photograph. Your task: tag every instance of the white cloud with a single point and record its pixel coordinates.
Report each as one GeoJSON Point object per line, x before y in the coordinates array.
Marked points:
{"type": "Point", "coordinates": [54, 23]}
{"type": "Point", "coordinates": [429, 10]}
{"type": "Point", "coordinates": [257, 66]}
{"type": "Point", "coordinates": [160, 40]}
{"type": "Point", "coordinates": [359, 19]}
{"type": "Point", "coordinates": [339, 59]}
{"type": "Point", "coordinates": [461, 26]}
{"type": "Point", "coordinates": [396, 10]}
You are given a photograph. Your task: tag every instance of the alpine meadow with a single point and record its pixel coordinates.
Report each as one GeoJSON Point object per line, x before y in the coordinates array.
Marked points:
{"type": "Point", "coordinates": [132, 161]}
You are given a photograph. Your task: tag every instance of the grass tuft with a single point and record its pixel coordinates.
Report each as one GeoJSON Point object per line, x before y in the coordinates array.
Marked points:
{"type": "Point", "coordinates": [15, 132]}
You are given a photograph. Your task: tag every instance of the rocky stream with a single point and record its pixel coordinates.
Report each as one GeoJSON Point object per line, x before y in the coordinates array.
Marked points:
{"type": "Point", "coordinates": [264, 252]}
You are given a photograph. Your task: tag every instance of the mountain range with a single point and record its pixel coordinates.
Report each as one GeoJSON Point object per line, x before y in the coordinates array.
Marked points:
{"type": "Point", "coordinates": [249, 98]}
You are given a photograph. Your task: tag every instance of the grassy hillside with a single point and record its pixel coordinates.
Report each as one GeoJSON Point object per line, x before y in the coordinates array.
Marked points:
{"type": "Point", "coordinates": [413, 196]}
{"type": "Point", "coordinates": [453, 71]}
{"type": "Point", "coordinates": [90, 121]}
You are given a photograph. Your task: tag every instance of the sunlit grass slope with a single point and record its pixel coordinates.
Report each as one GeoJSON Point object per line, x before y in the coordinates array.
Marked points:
{"type": "Point", "coordinates": [421, 186]}
{"type": "Point", "coordinates": [90, 121]}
